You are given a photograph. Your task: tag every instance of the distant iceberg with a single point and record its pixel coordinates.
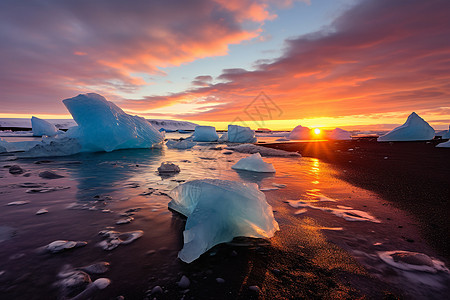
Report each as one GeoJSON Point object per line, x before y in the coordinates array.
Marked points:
{"type": "Point", "coordinates": [240, 134]}
{"type": "Point", "coordinates": [103, 126]}
{"type": "Point", "coordinates": [205, 134]}
{"type": "Point", "coordinates": [414, 129]}
{"type": "Point", "coordinates": [446, 134]}
{"type": "Point", "coordinates": [219, 210]}
{"type": "Point", "coordinates": [254, 163]}
{"type": "Point", "coordinates": [300, 133]}
{"type": "Point", "coordinates": [339, 134]}
{"type": "Point", "coordinates": [172, 125]}
{"type": "Point", "coordinates": [41, 127]}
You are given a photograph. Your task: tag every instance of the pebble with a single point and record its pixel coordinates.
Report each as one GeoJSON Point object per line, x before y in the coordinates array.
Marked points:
{"type": "Point", "coordinates": [15, 170]}
{"type": "Point", "coordinates": [41, 211]}
{"type": "Point", "coordinates": [184, 282]}
{"type": "Point", "coordinates": [220, 280]}
{"type": "Point", "coordinates": [254, 288]}
{"type": "Point", "coordinates": [49, 175]}
{"type": "Point", "coordinates": [156, 290]}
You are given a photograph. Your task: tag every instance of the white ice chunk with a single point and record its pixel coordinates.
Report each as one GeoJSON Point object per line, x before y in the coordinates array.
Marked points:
{"type": "Point", "coordinates": [412, 261]}
{"type": "Point", "coordinates": [240, 134]}
{"type": "Point", "coordinates": [444, 145]}
{"type": "Point", "coordinates": [414, 129]}
{"type": "Point", "coordinates": [184, 144]}
{"type": "Point", "coordinates": [254, 163]}
{"type": "Point", "coordinates": [41, 127]}
{"type": "Point", "coordinates": [219, 210]}
{"type": "Point", "coordinates": [264, 151]}
{"type": "Point", "coordinates": [339, 134]}
{"type": "Point", "coordinates": [17, 146]}
{"type": "Point", "coordinates": [205, 134]}
{"type": "Point", "coordinates": [57, 146]}
{"type": "Point", "coordinates": [103, 126]}
{"type": "Point", "coordinates": [300, 133]}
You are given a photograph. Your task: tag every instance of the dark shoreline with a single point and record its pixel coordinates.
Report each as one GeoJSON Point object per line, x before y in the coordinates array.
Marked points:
{"type": "Point", "coordinates": [414, 176]}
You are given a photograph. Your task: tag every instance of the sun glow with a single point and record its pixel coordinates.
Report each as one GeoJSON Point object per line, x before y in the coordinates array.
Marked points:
{"type": "Point", "coordinates": [316, 131]}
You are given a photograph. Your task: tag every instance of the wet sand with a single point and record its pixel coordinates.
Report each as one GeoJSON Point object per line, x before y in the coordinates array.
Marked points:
{"type": "Point", "coordinates": [414, 176]}
{"type": "Point", "coordinates": [315, 254]}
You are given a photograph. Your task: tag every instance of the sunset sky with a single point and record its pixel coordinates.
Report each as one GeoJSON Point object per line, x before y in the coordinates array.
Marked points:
{"type": "Point", "coordinates": [352, 64]}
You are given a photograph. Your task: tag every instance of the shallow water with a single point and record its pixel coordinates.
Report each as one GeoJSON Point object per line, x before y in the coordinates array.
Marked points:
{"type": "Point", "coordinates": [99, 187]}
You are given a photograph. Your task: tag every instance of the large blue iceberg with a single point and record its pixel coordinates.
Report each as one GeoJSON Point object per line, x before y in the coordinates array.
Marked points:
{"type": "Point", "coordinates": [240, 134]}
{"type": "Point", "coordinates": [219, 210]}
{"type": "Point", "coordinates": [103, 126]}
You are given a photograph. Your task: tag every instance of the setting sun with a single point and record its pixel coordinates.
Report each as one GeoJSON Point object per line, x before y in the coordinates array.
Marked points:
{"type": "Point", "coordinates": [316, 131]}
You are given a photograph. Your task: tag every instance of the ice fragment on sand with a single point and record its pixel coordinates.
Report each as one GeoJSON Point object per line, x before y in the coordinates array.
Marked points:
{"type": "Point", "coordinates": [205, 134]}
{"type": "Point", "coordinates": [17, 203]}
{"type": "Point", "coordinates": [218, 211]}
{"type": "Point", "coordinates": [240, 134]}
{"type": "Point", "coordinates": [184, 144]}
{"type": "Point", "coordinates": [264, 151]}
{"type": "Point", "coordinates": [414, 129]}
{"type": "Point", "coordinates": [41, 127]}
{"type": "Point", "coordinates": [412, 261]}
{"type": "Point", "coordinates": [41, 211]}
{"type": "Point", "coordinates": [50, 175]}
{"type": "Point", "coordinates": [47, 189]}
{"type": "Point", "coordinates": [254, 163]}
{"type": "Point", "coordinates": [339, 134]}
{"type": "Point", "coordinates": [61, 245]}
{"type": "Point", "coordinates": [103, 126]}
{"type": "Point", "coordinates": [113, 238]}
{"type": "Point", "coordinates": [168, 167]}
{"type": "Point", "coordinates": [96, 268]}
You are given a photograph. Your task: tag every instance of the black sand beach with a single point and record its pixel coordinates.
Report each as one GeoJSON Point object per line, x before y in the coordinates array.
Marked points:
{"type": "Point", "coordinates": [414, 176]}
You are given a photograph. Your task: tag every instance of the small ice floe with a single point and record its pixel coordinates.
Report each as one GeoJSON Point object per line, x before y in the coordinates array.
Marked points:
{"type": "Point", "coordinates": [96, 268]}
{"type": "Point", "coordinates": [412, 261]}
{"type": "Point", "coordinates": [50, 175]}
{"type": "Point", "coordinates": [17, 203]}
{"type": "Point", "coordinates": [47, 189]}
{"type": "Point", "coordinates": [181, 145]}
{"type": "Point", "coordinates": [279, 185]}
{"type": "Point", "coordinates": [218, 211]}
{"type": "Point", "coordinates": [61, 245]}
{"type": "Point", "coordinates": [254, 163]}
{"type": "Point", "coordinates": [113, 238]}
{"type": "Point", "coordinates": [347, 214]}
{"type": "Point", "coordinates": [264, 151]}
{"type": "Point", "coordinates": [41, 211]}
{"type": "Point", "coordinates": [184, 282]}
{"type": "Point", "coordinates": [266, 189]}
{"type": "Point", "coordinates": [319, 197]}
{"type": "Point", "coordinates": [16, 170]}
{"type": "Point", "coordinates": [125, 221]}
{"type": "Point", "coordinates": [168, 168]}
